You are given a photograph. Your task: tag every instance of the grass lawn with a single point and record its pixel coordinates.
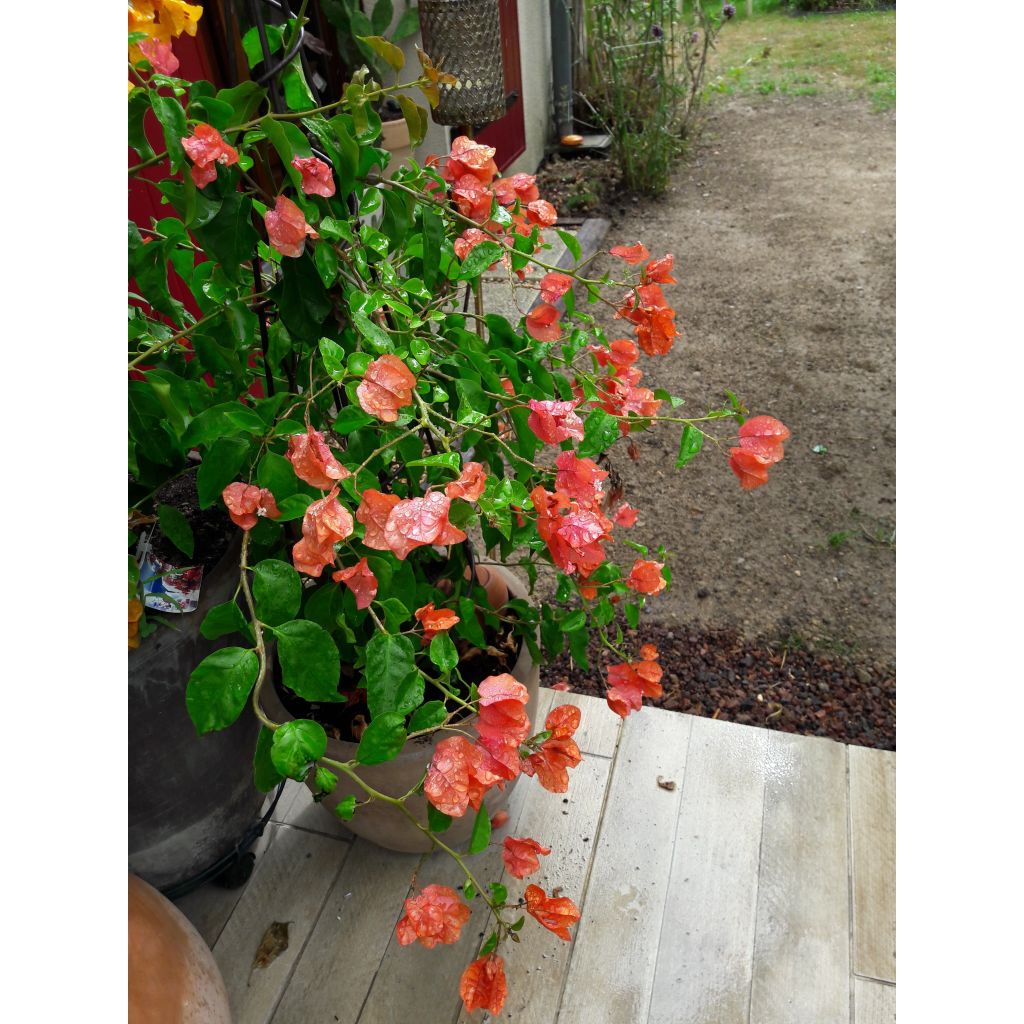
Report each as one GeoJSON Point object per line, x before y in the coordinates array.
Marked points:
{"type": "Point", "coordinates": [810, 55]}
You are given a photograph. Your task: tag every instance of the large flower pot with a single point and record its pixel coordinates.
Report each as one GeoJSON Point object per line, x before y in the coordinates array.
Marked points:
{"type": "Point", "coordinates": [190, 798]}
{"type": "Point", "coordinates": [172, 976]}
{"type": "Point", "coordinates": [394, 137]}
{"type": "Point", "coordinates": [385, 825]}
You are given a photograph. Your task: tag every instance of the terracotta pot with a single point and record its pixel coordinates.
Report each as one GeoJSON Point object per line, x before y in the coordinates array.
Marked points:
{"type": "Point", "coordinates": [190, 797]}
{"type": "Point", "coordinates": [385, 825]}
{"type": "Point", "coordinates": [172, 976]}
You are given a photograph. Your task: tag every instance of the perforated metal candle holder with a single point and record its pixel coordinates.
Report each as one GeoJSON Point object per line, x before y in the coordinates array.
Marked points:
{"type": "Point", "coordinates": [463, 38]}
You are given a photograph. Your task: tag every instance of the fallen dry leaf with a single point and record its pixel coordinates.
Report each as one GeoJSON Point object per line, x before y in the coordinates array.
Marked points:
{"type": "Point", "coordinates": [273, 944]}
{"type": "Point", "coordinates": [666, 784]}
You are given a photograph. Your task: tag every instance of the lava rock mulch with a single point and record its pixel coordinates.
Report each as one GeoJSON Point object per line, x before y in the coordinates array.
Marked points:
{"type": "Point", "coordinates": [719, 674]}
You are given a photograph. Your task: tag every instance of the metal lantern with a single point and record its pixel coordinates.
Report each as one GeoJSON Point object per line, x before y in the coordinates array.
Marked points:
{"type": "Point", "coordinates": [463, 38]}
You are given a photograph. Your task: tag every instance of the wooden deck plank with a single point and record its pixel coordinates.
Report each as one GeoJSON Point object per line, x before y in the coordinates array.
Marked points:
{"type": "Point", "coordinates": [341, 959]}
{"type": "Point", "coordinates": [289, 884]}
{"type": "Point", "coordinates": [873, 828]}
{"type": "Point", "coordinates": [302, 812]}
{"type": "Point", "coordinates": [536, 966]}
{"type": "Point", "coordinates": [802, 941]}
{"type": "Point", "coordinates": [599, 725]}
{"type": "Point", "coordinates": [873, 1002]}
{"type": "Point", "coordinates": [611, 973]}
{"type": "Point", "coordinates": [705, 954]}
{"type": "Point", "coordinates": [426, 981]}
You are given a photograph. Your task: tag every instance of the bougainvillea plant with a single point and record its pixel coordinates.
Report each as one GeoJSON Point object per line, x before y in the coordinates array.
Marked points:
{"type": "Point", "coordinates": [365, 422]}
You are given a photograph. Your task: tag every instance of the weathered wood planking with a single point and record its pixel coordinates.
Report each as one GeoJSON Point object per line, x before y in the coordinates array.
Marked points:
{"type": "Point", "coordinates": [303, 812]}
{"type": "Point", "coordinates": [802, 940]}
{"type": "Point", "coordinates": [873, 1002]}
{"type": "Point", "coordinates": [536, 966]}
{"type": "Point", "coordinates": [611, 973]}
{"type": "Point", "coordinates": [706, 951]}
{"type": "Point", "coordinates": [341, 959]}
{"type": "Point", "coordinates": [873, 828]}
{"type": "Point", "coordinates": [289, 884]}
{"type": "Point", "coordinates": [599, 725]}
{"type": "Point", "coordinates": [415, 983]}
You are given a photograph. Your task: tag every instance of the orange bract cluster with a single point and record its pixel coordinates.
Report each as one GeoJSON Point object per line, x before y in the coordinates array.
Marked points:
{"type": "Point", "coordinates": [287, 228]}
{"type": "Point", "coordinates": [312, 460]}
{"type": "Point", "coordinates": [435, 620]}
{"type": "Point", "coordinates": [573, 534]}
{"type": "Point", "coordinates": [246, 503]}
{"type": "Point", "coordinates": [385, 388]}
{"type": "Point", "coordinates": [631, 681]}
{"type": "Point", "coordinates": [556, 914]}
{"type": "Point", "coordinates": [317, 179]}
{"type": "Point", "coordinates": [206, 149]}
{"type": "Point", "coordinates": [483, 985]}
{"type": "Point", "coordinates": [436, 915]}
{"type": "Point", "coordinates": [360, 579]}
{"type": "Point", "coordinates": [761, 440]}
{"type": "Point", "coordinates": [325, 523]}
{"type": "Point", "coordinates": [521, 856]}
{"type": "Point", "coordinates": [619, 392]}
{"type": "Point", "coordinates": [559, 752]}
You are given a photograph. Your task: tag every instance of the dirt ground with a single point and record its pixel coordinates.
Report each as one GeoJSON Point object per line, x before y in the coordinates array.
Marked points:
{"type": "Point", "coordinates": [782, 608]}
{"type": "Point", "coordinates": [783, 228]}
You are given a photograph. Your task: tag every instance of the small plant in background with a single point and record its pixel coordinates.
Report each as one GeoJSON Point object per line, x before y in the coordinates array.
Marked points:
{"type": "Point", "coordinates": [647, 64]}
{"type": "Point", "coordinates": [362, 427]}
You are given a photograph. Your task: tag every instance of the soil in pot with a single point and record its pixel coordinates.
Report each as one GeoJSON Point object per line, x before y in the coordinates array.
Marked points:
{"type": "Point", "coordinates": [211, 528]}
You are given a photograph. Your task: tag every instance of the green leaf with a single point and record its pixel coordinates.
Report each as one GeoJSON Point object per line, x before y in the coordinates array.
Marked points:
{"type": "Point", "coordinates": [293, 507]}
{"type": "Point", "coordinates": [301, 298]}
{"type": "Point", "coordinates": [408, 23]}
{"type": "Point", "coordinates": [296, 90]}
{"type": "Point", "coordinates": [380, 17]}
{"type": "Point", "coordinates": [296, 745]}
{"type": "Point", "coordinates": [449, 460]}
{"type": "Point", "coordinates": [468, 624]}
{"type": "Point", "coordinates": [326, 263]}
{"type": "Point", "coordinates": [395, 613]}
{"type": "Point", "coordinates": [289, 142]}
{"type": "Point", "coordinates": [578, 643]}
{"type": "Point", "coordinates": [392, 682]}
{"type": "Point", "coordinates": [479, 259]}
{"type": "Point", "coordinates": [310, 663]}
{"type": "Point", "coordinates": [326, 781]}
{"type": "Point", "coordinates": [171, 116]}
{"type": "Point", "coordinates": [632, 613]}
{"type": "Point", "coordinates": [219, 686]}
{"type": "Point", "coordinates": [570, 243]}
{"type": "Point", "coordinates": [383, 739]}
{"type": "Point", "coordinates": [443, 653]}
{"type": "Point", "coordinates": [415, 118]}
{"type": "Point", "coordinates": [223, 619]}
{"type": "Point", "coordinates": [219, 467]}
{"type": "Point", "coordinates": [481, 831]}
{"type": "Point", "coordinates": [574, 620]}
{"type": "Point", "coordinates": [600, 432]}
{"type": "Point", "coordinates": [230, 237]}
{"type": "Point", "coordinates": [490, 945]}
{"type": "Point", "coordinates": [277, 590]}
{"type": "Point", "coordinates": [346, 808]}
{"type": "Point", "coordinates": [517, 924]}
{"type": "Point", "coordinates": [376, 337]}
{"type": "Point", "coordinates": [175, 527]}
{"type": "Point", "coordinates": [244, 99]}
{"type": "Point", "coordinates": [380, 46]}
{"type": "Point", "coordinates": [138, 104]}
{"type": "Point", "coordinates": [253, 47]}
{"type": "Point", "coordinates": [438, 821]}
{"type": "Point", "coordinates": [276, 474]}
{"type": "Point", "coordinates": [690, 443]}
{"type": "Point", "coordinates": [429, 716]}
{"type": "Point", "coordinates": [499, 892]}
{"type": "Point", "coordinates": [264, 775]}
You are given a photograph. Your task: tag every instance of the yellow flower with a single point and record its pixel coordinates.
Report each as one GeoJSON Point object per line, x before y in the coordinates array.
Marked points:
{"type": "Point", "coordinates": [162, 20]}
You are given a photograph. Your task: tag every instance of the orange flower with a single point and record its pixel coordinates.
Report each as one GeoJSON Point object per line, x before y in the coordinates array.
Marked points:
{"type": "Point", "coordinates": [386, 387]}
{"type": "Point", "coordinates": [554, 422]}
{"type": "Point", "coordinates": [751, 468]}
{"type": "Point", "coordinates": [312, 460]}
{"type": "Point", "coordinates": [206, 149]}
{"type": "Point", "coordinates": [520, 856]}
{"type": "Point", "coordinates": [631, 681]}
{"type": "Point", "coordinates": [325, 523]}
{"type": "Point", "coordinates": [436, 915]}
{"type": "Point", "coordinates": [659, 271]}
{"type": "Point", "coordinates": [435, 620]}
{"type": "Point", "coordinates": [579, 478]}
{"type": "Point", "coordinates": [246, 503]}
{"type": "Point", "coordinates": [360, 579]}
{"type": "Point", "coordinates": [573, 535]}
{"type": "Point", "coordinates": [559, 752]}
{"type": "Point", "coordinates": [483, 985]}
{"type": "Point", "coordinates": [471, 483]}
{"type": "Point", "coordinates": [542, 323]}
{"type": "Point", "coordinates": [134, 615]}
{"type": "Point", "coordinates": [557, 915]}
{"type": "Point", "coordinates": [764, 435]}
{"type": "Point", "coordinates": [502, 722]}
{"type": "Point", "coordinates": [645, 577]}
{"type": "Point", "coordinates": [469, 157]}
{"type": "Point", "coordinates": [625, 515]}
{"type": "Point", "coordinates": [647, 308]}
{"type": "Point", "coordinates": [521, 187]}
{"type": "Point", "coordinates": [632, 254]}
{"type": "Point", "coordinates": [541, 212]}
{"type": "Point", "coordinates": [554, 285]}
{"type": "Point", "coordinates": [287, 228]}
{"type": "Point", "coordinates": [161, 57]}
{"type": "Point", "coordinates": [498, 820]}
{"type": "Point", "coordinates": [317, 179]}
{"type": "Point", "coordinates": [458, 777]}
{"type": "Point", "coordinates": [373, 513]}
{"type": "Point", "coordinates": [469, 240]}
{"type": "Point", "coordinates": [415, 522]}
